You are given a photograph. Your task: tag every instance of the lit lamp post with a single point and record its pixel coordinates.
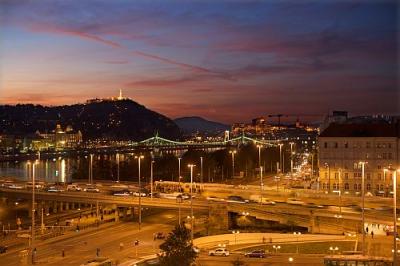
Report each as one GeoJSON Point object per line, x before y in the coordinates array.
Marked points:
{"type": "Point", "coordinates": [233, 162]}
{"type": "Point", "coordinates": [117, 167]}
{"type": "Point", "coordinates": [261, 183]}
{"type": "Point", "coordinates": [340, 195]}
{"type": "Point", "coordinates": [395, 251]}
{"type": "Point", "coordinates": [139, 158]}
{"type": "Point", "coordinates": [191, 200]}
{"type": "Point", "coordinates": [297, 234]}
{"type": "Point", "coordinates": [280, 157]}
{"type": "Point", "coordinates": [151, 179]}
{"type": "Point", "coordinates": [277, 248]}
{"type": "Point", "coordinates": [259, 155]}
{"type": "Point", "coordinates": [333, 249]}
{"type": "Point", "coordinates": [33, 214]}
{"type": "Point", "coordinates": [363, 202]}
{"type": "Point", "coordinates": [179, 172]}
{"type": "Point", "coordinates": [201, 170]}
{"type": "Point", "coordinates": [291, 157]}
{"type": "Point", "coordinates": [235, 233]}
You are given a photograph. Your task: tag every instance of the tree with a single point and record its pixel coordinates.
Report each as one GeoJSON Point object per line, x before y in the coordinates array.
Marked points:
{"type": "Point", "coordinates": [177, 248]}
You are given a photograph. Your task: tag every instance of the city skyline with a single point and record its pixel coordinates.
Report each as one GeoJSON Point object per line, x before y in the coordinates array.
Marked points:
{"type": "Point", "coordinates": [225, 61]}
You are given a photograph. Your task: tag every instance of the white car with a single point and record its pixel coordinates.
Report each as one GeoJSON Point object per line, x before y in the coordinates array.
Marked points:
{"type": "Point", "coordinates": [73, 188]}
{"type": "Point", "coordinates": [92, 189]}
{"type": "Point", "coordinates": [219, 252]}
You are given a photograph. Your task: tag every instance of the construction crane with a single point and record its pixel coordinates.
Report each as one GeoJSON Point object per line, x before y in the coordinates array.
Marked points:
{"type": "Point", "coordinates": [279, 117]}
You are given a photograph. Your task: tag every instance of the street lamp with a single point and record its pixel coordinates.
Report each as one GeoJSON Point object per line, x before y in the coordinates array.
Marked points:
{"type": "Point", "coordinates": [363, 199]}
{"type": "Point", "coordinates": [140, 190]}
{"type": "Point", "coordinates": [297, 234]}
{"type": "Point", "coordinates": [179, 172]}
{"type": "Point", "coordinates": [151, 179]}
{"type": "Point", "coordinates": [201, 170]}
{"type": "Point", "coordinates": [117, 167]}
{"type": "Point", "coordinates": [291, 157]}
{"type": "Point", "coordinates": [191, 199]}
{"type": "Point", "coordinates": [261, 183]}
{"type": "Point", "coordinates": [259, 155]}
{"type": "Point", "coordinates": [276, 248]}
{"type": "Point", "coordinates": [280, 156]}
{"type": "Point", "coordinates": [395, 251]}
{"type": "Point", "coordinates": [333, 249]}
{"type": "Point", "coordinates": [33, 212]}
{"type": "Point", "coordinates": [91, 170]}
{"type": "Point", "coordinates": [235, 233]}
{"type": "Point", "coordinates": [233, 162]}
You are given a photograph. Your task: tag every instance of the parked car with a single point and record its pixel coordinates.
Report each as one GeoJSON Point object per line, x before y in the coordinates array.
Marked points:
{"type": "Point", "coordinates": [74, 188]}
{"type": "Point", "coordinates": [219, 252]}
{"type": "Point", "coordinates": [255, 254]}
{"type": "Point", "coordinates": [3, 249]}
{"type": "Point", "coordinates": [92, 189]}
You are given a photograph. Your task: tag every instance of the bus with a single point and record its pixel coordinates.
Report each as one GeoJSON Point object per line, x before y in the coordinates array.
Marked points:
{"type": "Point", "coordinates": [357, 260]}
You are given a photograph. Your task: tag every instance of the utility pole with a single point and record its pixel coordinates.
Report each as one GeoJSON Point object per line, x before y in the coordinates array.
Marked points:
{"type": "Point", "coordinates": [140, 191]}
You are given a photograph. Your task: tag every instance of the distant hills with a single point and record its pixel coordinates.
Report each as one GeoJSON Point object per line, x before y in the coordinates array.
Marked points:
{"type": "Point", "coordinates": [109, 119]}
{"type": "Point", "coordinates": [193, 124]}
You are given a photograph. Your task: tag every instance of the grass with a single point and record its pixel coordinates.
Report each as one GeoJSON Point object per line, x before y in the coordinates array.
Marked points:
{"type": "Point", "coordinates": [306, 248]}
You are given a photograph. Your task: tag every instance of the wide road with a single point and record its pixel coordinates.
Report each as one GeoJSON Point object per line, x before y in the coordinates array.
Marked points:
{"type": "Point", "coordinates": [278, 260]}
{"type": "Point", "coordinates": [80, 247]}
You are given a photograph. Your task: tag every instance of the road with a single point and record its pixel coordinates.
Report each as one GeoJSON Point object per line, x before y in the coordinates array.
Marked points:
{"type": "Point", "coordinates": [278, 260]}
{"type": "Point", "coordinates": [80, 247]}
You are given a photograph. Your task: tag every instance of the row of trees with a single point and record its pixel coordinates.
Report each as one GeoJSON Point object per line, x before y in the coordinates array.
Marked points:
{"type": "Point", "coordinates": [217, 165]}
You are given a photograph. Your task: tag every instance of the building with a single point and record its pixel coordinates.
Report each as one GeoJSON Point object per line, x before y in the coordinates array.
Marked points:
{"type": "Point", "coordinates": [343, 145]}
{"type": "Point", "coordinates": [58, 139]}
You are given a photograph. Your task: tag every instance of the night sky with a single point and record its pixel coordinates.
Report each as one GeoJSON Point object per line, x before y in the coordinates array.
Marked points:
{"type": "Point", "coordinates": [228, 61]}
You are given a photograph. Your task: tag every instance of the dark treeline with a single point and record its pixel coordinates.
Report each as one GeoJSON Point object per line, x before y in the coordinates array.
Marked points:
{"type": "Point", "coordinates": [217, 165]}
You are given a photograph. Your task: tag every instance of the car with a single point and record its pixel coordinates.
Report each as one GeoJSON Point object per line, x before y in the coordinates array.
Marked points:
{"type": "Point", "coordinates": [196, 249]}
{"type": "Point", "coordinates": [159, 235]}
{"type": "Point", "coordinates": [236, 199]}
{"type": "Point", "coordinates": [92, 189]}
{"type": "Point", "coordinates": [142, 194]}
{"type": "Point", "coordinates": [15, 186]}
{"type": "Point", "coordinates": [213, 198]}
{"type": "Point", "coordinates": [3, 249]}
{"type": "Point", "coordinates": [154, 194]}
{"type": "Point", "coordinates": [219, 252]}
{"type": "Point", "coordinates": [313, 205]}
{"type": "Point", "coordinates": [54, 189]}
{"type": "Point", "coordinates": [74, 188]}
{"type": "Point", "coordinates": [122, 193]}
{"type": "Point", "coordinates": [255, 254]}
{"type": "Point", "coordinates": [294, 201]}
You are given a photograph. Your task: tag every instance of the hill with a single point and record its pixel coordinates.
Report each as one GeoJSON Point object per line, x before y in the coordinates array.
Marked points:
{"type": "Point", "coordinates": [119, 120]}
{"type": "Point", "coordinates": [193, 124]}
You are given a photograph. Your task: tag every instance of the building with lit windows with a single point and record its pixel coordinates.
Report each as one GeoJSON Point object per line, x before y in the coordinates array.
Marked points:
{"type": "Point", "coordinates": [343, 145]}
